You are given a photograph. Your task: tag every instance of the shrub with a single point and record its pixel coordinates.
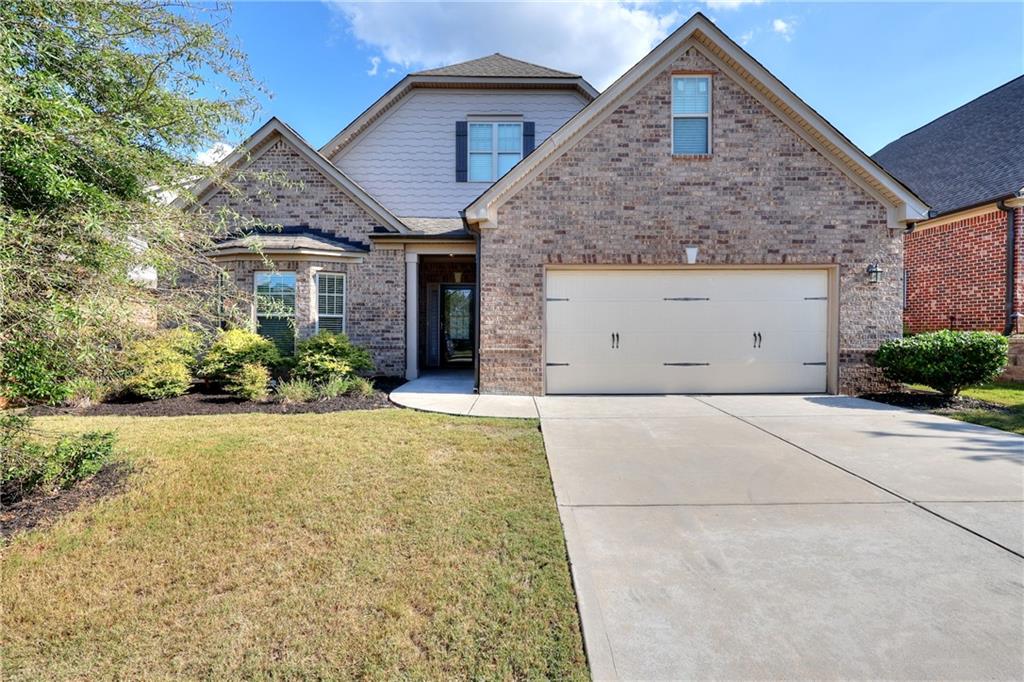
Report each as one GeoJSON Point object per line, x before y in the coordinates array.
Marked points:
{"type": "Point", "coordinates": [295, 391]}
{"type": "Point", "coordinates": [946, 361]}
{"type": "Point", "coordinates": [333, 388]}
{"type": "Point", "coordinates": [30, 372]}
{"type": "Point", "coordinates": [250, 383]}
{"type": "Point", "coordinates": [327, 355]}
{"type": "Point", "coordinates": [360, 386]}
{"type": "Point", "coordinates": [160, 366]}
{"type": "Point", "coordinates": [236, 347]}
{"type": "Point", "coordinates": [28, 464]}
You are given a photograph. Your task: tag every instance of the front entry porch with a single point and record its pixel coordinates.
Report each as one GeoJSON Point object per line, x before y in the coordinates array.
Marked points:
{"type": "Point", "coordinates": [441, 309]}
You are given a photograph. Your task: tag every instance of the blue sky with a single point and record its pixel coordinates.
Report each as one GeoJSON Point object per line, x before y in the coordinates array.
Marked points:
{"type": "Point", "coordinates": [875, 70]}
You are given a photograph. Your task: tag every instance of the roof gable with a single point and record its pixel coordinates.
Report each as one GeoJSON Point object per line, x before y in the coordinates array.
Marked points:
{"type": "Point", "coordinates": [248, 151]}
{"type": "Point", "coordinates": [497, 65]}
{"type": "Point", "coordinates": [969, 156]}
{"type": "Point", "coordinates": [700, 32]}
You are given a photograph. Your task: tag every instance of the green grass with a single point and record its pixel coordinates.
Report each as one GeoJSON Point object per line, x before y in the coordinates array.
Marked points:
{"type": "Point", "coordinates": [386, 544]}
{"type": "Point", "coordinates": [1009, 394]}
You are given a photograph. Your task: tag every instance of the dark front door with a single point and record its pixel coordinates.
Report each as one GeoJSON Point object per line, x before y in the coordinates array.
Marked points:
{"type": "Point", "coordinates": [457, 337]}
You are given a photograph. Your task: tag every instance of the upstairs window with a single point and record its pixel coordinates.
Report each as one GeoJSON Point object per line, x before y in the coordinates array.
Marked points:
{"type": "Point", "coordinates": [275, 308]}
{"type": "Point", "coordinates": [493, 149]}
{"type": "Point", "coordinates": [330, 302]}
{"type": "Point", "coordinates": [691, 115]}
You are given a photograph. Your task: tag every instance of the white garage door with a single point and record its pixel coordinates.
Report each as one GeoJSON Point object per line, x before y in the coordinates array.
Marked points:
{"type": "Point", "coordinates": [692, 331]}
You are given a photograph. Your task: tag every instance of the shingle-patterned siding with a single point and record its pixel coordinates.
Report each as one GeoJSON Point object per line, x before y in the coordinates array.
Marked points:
{"type": "Point", "coordinates": [956, 274]}
{"type": "Point", "coordinates": [375, 307]}
{"type": "Point", "coordinates": [619, 197]}
{"type": "Point", "coordinates": [407, 160]}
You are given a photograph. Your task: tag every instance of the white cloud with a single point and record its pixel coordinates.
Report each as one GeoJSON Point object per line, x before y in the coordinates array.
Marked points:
{"type": "Point", "coordinates": [218, 151]}
{"type": "Point", "coordinates": [784, 28]}
{"type": "Point", "coordinates": [374, 65]}
{"type": "Point", "coordinates": [599, 40]}
{"type": "Point", "coordinates": [730, 4]}
{"type": "Point", "coordinates": [746, 37]}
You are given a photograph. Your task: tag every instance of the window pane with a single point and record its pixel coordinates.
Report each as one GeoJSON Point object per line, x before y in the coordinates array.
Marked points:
{"type": "Point", "coordinates": [690, 136]}
{"type": "Point", "coordinates": [480, 137]}
{"type": "Point", "coordinates": [506, 161]}
{"type": "Point", "coordinates": [480, 167]}
{"type": "Point", "coordinates": [279, 330]}
{"type": "Point", "coordinates": [690, 95]}
{"type": "Point", "coordinates": [331, 302]}
{"type": "Point", "coordinates": [510, 137]}
{"type": "Point", "coordinates": [275, 293]}
{"type": "Point", "coordinates": [332, 324]}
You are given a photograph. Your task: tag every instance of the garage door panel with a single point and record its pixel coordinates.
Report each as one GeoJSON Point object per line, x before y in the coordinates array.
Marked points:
{"type": "Point", "coordinates": [687, 331]}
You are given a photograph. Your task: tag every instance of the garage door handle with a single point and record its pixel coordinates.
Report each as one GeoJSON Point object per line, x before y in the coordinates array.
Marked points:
{"type": "Point", "coordinates": [757, 339]}
{"type": "Point", "coordinates": [615, 339]}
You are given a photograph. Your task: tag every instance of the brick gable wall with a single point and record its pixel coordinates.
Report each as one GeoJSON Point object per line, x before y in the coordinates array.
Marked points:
{"type": "Point", "coordinates": [375, 307]}
{"type": "Point", "coordinates": [618, 196]}
{"type": "Point", "coordinates": [956, 274]}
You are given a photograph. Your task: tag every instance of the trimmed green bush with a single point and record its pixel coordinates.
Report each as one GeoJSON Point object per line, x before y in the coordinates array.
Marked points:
{"type": "Point", "coordinates": [236, 347]}
{"type": "Point", "coordinates": [946, 360]}
{"type": "Point", "coordinates": [327, 356]}
{"type": "Point", "coordinates": [29, 464]}
{"type": "Point", "coordinates": [250, 383]}
{"type": "Point", "coordinates": [295, 391]}
{"type": "Point", "coordinates": [31, 372]}
{"type": "Point", "coordinates": [160, 367]}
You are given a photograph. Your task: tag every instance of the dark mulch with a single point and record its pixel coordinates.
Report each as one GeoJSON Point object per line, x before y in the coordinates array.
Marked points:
{"type": "Point", "coordinates": [919, 400]}
{"type": "Point", "coordinates": [200, 403]}
{"type": "Point", "coordinates": [44, 507]}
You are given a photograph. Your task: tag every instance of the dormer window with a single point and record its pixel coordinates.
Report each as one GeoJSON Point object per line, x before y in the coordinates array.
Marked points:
{"type": "Point", "coordinates": [494, 147]}
{"type": "Point", "coordinates": [691, 115]}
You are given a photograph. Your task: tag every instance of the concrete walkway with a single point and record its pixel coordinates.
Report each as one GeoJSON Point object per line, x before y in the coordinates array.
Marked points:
{"type": "Point", "coordinates": [451, 392]}
{"type": "Point", "coordinates": [789, 537]}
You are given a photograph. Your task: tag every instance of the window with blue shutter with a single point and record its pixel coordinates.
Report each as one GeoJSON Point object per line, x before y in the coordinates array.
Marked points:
{"type": "Point", "coordinates": [691, 115]}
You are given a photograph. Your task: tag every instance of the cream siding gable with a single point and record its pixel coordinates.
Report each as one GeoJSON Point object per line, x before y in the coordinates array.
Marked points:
{"type": "Point", "coordinates": [407, 158]}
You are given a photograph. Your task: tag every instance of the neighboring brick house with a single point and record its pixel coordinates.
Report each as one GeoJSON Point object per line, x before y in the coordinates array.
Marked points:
{"type": "Point", "coordinates": [964, 265]}
{"type": "Point", "coordinates": [694, 228]}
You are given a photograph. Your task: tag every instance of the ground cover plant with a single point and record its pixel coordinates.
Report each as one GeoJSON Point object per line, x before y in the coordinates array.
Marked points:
{"type": "Point", "coordinates": [388, 545]}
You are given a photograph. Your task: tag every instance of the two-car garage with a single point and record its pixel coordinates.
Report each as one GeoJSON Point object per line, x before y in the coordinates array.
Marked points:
{"type": "Point", "coordinates": [624, 331]}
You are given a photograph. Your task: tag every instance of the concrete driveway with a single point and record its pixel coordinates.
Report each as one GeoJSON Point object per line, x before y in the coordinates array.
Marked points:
{"type": "Point", "coordinates": [782, 537]}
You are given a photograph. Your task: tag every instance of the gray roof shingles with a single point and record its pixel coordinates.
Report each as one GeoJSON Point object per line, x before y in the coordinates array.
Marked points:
{"type": "Point", "coordinates": [970, 156]}
{"type": "Point", "coordinates": [496, 66]}
{"type": "Point", "coordinates": [290, 238]}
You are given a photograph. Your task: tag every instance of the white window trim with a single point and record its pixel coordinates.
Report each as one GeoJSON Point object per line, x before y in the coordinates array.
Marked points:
{"type": "Point", "coordinates": [673, 116]}
{"type": "Point", "coordinates": [255, 293]}
{"type": "Point", "coordinates": [344, 300]}
{"type": "Point", "coordinates": [494, 123]}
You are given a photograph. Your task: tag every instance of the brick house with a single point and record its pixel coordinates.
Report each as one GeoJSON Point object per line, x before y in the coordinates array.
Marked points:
{"type": "Point", "coordinates": [964, 265]}
{"type": "Point", "coordinates": [695, 227]}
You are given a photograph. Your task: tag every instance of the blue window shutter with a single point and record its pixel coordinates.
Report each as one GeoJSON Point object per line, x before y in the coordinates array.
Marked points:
{"type": "Point", "coordinates": [527, 137]}
{"type": "Point", "coordinates": [461, 151]}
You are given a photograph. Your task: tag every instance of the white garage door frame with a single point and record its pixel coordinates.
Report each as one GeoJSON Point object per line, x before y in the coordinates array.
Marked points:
{"type": "Point", "coordinates": [832, 271]}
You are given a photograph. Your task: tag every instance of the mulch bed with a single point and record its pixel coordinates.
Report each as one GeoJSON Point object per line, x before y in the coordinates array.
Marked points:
{"type": "Point", "coordinates": [201, 403]}
{"type": "Point", "coordinates": [45, 507]}
{"type": "Point", "coordinates": [933, 402]}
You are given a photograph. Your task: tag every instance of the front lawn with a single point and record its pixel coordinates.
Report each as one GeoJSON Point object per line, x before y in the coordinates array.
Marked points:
{"type": "Point", "coordinates": [376, 544]}
{"type": "Point", "coordinates": [1010, 395]}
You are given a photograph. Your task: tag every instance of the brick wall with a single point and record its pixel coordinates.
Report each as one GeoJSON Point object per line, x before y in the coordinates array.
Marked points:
{"type": "Point", "coordinates": [375, 287]}
{"type": "Point", "coordinates": [956, 274]}
{"type": "Point", "coordinates": [618, 197]}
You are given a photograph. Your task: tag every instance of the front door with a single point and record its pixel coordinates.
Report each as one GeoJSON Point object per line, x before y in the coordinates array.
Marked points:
{"type": "Point", "coordinates": [457, 329]}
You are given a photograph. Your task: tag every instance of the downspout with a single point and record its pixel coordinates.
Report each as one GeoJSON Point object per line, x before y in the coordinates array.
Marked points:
{"type": "Point", "coordinates": [1011, 265]}
{"type": "Point", "coordinates": [476, 304]}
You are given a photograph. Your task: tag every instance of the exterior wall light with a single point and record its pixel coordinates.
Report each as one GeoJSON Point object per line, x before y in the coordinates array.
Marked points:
{"type": "Point", "coordinates": [874, 273]}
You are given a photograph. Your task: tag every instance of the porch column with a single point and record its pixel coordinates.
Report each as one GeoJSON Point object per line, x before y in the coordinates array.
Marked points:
{"type": "Point", "coordinates": [412, 289]}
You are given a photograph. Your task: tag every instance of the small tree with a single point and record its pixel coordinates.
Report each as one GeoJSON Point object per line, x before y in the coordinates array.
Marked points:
{"type": "Point", "coordinates": [947, 361]}
{"type": "Point", "coordinates": [103, 106]}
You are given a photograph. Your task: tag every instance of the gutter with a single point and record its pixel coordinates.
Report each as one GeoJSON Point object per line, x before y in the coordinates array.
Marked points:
{"type": "Point", "coordinates": [476, 303]}
{"type": "Point", "coordinates": [1011, 264]}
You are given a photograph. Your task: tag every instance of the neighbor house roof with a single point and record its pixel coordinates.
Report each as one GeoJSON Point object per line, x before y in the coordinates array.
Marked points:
{"type": "Point", "coordinates": [249, 150]}
{"type": "Point", "coordinates": [289, 240]}
{"type": "Point", "coordinates": [493, 72]}
{"type": "Point", "coordinates": [903, 205]}
{"type": "Point", "coordinates": [496, 65]}
{"type": "Point", "coordinates": [972, 155]}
